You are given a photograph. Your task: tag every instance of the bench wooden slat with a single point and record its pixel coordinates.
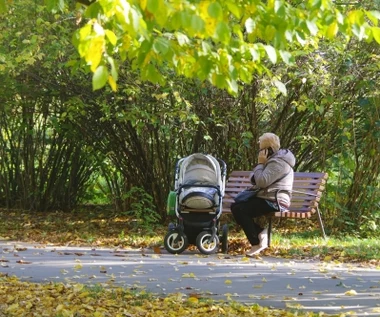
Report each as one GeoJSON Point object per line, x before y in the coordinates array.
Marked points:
{"type": "Point", "coordinates": [307, 186]}
{"type": "Point", "coordinates": [295, 207]}
{"type": "Point", "coordinates": [297, 175]}
{"type": "Point", "coordinates": [291, 214]}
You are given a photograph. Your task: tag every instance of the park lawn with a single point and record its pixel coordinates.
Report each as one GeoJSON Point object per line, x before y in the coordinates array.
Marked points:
{"type": "Point", "coordinates": [97, 226]}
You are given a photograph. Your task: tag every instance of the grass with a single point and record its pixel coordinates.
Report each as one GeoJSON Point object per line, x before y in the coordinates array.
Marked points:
{"type": "Point", "coordinates": [343, 248]}
{"type": "Point", "coordinates": [100, 227]}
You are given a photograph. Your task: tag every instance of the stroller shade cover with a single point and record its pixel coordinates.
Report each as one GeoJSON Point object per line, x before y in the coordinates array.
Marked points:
{"type": "Point", "coordinates": [199, 169]}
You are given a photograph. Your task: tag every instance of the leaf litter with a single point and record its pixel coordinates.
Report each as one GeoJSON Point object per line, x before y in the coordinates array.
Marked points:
{"type": "Point", "coordinates": [20, 298]}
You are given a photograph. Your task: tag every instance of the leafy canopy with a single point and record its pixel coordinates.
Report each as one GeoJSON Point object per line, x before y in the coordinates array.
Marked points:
{"type": "Point", "coordinates": [223, 41]}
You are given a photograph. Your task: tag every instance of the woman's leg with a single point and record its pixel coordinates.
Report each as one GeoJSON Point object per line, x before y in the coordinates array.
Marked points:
{"type": "Point", "coordinates": [244, 214]}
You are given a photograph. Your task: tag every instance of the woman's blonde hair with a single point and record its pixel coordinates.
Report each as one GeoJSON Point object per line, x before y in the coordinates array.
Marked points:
{"type": "Point", "coordinates": [269, 140]}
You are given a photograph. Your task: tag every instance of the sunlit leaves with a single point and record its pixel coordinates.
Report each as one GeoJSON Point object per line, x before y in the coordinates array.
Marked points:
{"type": "Point", "coordinates": [3, 7]}
{"type": "Point", "coordinates": [182, 39]}
{"type": "Point", "coordinates": [119, 28]}
{"type": "Point", "coordinates": [312, 27]}
{"type": "Point", "coordinates": [197, 26]}
{"type": "Point", "coordinates": [223, 32]}
{"type": "Point", "coordinates": [215, 10]}
{"type": "Point", "coordinates": [151, 73]}
{"type": "Point", "coordinates": [286, 57]}
{"type": "Point", "coordinates": [153, 5]}
{"type": "Point", "coordinates": [100, 77]}
{"type": "Point", "coordinates": [161, 45]}
{"type": "Point", "coordinates": [234, 8]}
{"type": "Point", "coordinates": [332, 30]}
{"type": "Point", "coordinates": [91, 44]}
{"type": "Point", "coordinates": [250, 25]}
{"type": "Point", "coordinates": [281, 87]}
{"type": "Point", "coordinates": [55, 5]}
{"type": "Point", "coordinates": [376, 34]}
{"type": "Point", "coordinates": [111, 37]}
{"type": "Point", "coordinates": [271, 53]}
{"type": "Point", "coordinates": [374, 16]}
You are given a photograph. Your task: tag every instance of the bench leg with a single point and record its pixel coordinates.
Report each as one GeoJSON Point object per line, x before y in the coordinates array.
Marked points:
{"type": "Point", "coordinates": [269, 230]}
{"type": "Point", "coordinates": [321, 224]}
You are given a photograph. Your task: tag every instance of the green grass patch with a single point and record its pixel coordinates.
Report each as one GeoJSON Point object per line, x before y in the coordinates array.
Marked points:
{"type": "Point", "coordinates": [311, 244]}
{"type": "Point", "coordinates": [290, 239]}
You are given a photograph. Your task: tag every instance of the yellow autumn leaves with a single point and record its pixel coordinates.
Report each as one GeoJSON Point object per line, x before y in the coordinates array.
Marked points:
{"type": "Point", "coordinates": [25, 299]}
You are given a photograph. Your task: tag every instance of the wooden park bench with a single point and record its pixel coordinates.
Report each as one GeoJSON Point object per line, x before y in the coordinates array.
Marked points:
{"type": "Point", "coordinates": [306, 194]}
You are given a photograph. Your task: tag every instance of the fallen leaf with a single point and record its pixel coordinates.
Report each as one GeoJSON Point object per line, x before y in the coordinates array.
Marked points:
{"type": "Point", "coordinates": [157, 250]}
{"type": "Point", "coordinates": [21, 249]}
{"type": "Point", "coordinates": [78, 267]}
{"type": "Point", "coordinates": [193, 300]}
{"type": "Point", "coordinates": [23, 262]}
{"type": "Point", "coordinates": [351, 292]}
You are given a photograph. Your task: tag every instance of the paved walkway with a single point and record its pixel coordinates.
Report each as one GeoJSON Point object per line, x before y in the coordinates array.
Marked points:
{"type": "Point", "coordinates": [280, 283]}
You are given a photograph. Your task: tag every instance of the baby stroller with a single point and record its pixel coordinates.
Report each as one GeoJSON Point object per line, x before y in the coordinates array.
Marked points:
{"type": "Point", "coordinates": [197, 204]}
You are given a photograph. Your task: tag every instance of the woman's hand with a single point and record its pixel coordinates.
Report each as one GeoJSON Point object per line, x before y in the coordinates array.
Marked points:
{"type": "Point", "coordinates": [263, 156]}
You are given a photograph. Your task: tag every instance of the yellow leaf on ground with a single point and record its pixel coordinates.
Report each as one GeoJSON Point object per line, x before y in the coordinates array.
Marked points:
{"type": "Point", "coordinates": [351, 292]}
{"type": "Point", "coordinates": [78, 267]}
{"type": "Point", "coordinates": [193, 300]}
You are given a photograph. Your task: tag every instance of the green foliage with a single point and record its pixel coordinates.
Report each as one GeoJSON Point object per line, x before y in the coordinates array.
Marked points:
{"type": "Point", "coordinates": [220, 41]}
{"type": "Point", "coordinates": [44, 162]}
{"type": "Point", "coordinates": [142, 208]}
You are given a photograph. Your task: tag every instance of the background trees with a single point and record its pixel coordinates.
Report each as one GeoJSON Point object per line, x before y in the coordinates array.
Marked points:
{"type": "Point", "coordinates": [63, 144]}
{"type": "Point", "coordinates": [44, 163]}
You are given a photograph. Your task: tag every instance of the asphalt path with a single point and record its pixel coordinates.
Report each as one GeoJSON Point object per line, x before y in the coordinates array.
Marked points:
{"type": "Point", "coordinates": [312, 285]}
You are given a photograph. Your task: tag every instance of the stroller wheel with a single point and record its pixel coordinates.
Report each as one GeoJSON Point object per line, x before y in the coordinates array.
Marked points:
{"type": "Point", "coordinates": [175, 243]}
{"type": "Point", "coordinates": [205, 245]}
{"type": "Point", "coordinates": [224, 238]}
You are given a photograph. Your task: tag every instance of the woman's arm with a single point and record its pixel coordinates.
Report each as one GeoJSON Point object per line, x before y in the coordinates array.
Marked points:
{"type": "Point", "coordinates": [266, 175]}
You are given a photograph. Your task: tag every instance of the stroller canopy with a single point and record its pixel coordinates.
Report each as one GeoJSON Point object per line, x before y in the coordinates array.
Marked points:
{"type": "Point", "coordinates": [200, 169]}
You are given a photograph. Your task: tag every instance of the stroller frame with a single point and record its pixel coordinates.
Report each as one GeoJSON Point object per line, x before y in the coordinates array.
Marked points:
{"type": "Point", "coordinates": [199, 226]}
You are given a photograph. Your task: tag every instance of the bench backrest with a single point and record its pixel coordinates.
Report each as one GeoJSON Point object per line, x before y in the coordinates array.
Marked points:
{"type": "Point", "coordinates": [307, 191]}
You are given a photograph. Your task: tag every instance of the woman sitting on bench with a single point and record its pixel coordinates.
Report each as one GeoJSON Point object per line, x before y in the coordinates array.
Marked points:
{"type": "Point", "coordinates": [273, 172]}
